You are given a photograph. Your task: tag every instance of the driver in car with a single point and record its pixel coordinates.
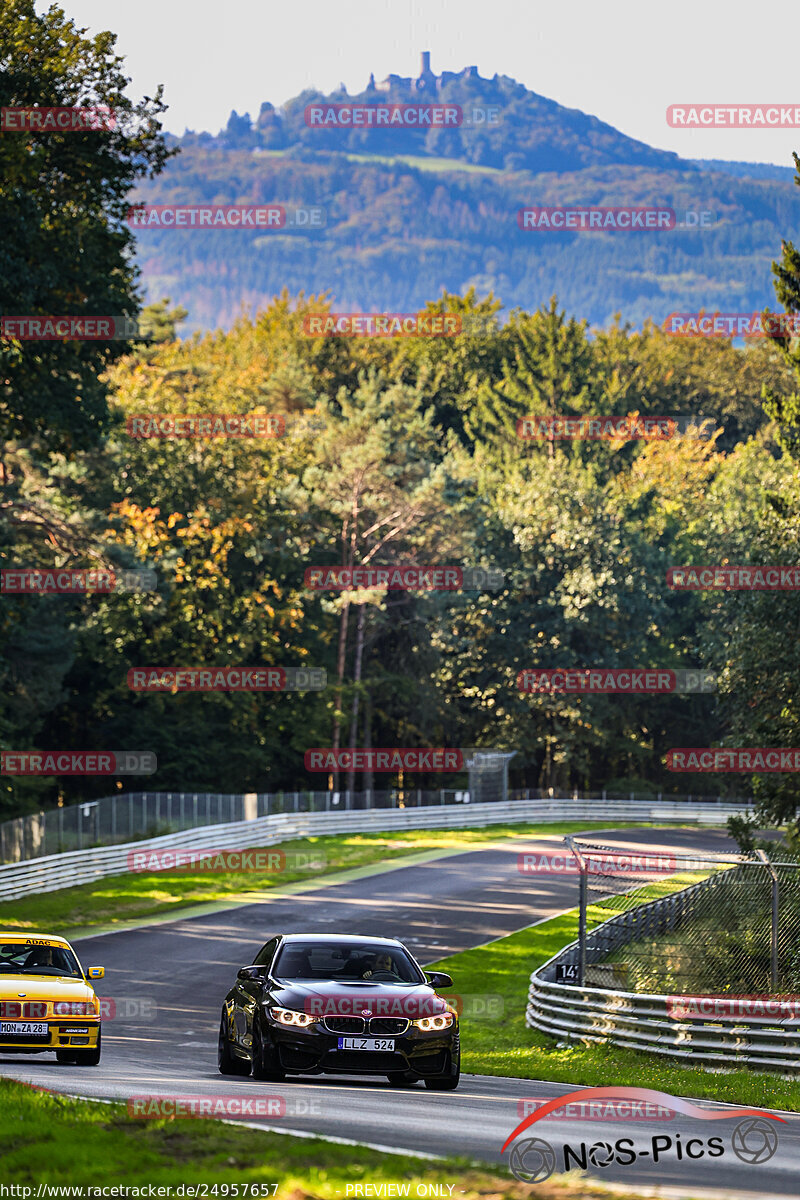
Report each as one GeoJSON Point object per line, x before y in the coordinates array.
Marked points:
{"type": "Point", "coordinates": [383, 962]}
{"type": "Point", "coordinates": [42, 956]}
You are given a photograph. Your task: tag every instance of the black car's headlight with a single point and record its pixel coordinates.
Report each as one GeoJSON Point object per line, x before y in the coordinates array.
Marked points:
{"type": "Point", "coordinates": [440, 1021]}
{"type": "Point", "coordinates": [291, 1016]}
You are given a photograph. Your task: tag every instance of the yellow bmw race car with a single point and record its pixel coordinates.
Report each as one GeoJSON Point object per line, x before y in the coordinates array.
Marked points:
{"type": "Point", "coordinates": [46, 1000]}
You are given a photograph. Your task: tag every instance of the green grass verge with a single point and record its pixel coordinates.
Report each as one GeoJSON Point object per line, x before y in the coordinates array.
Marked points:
{"type": "Point", "coordinates": [156, 894]}
{"type": "Point", "coordinates": [52, 1139]}
{"type": "Point", "coordinates": [505, 1046]}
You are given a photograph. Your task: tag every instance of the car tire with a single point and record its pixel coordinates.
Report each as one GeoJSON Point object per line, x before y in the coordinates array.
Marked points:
{"type": "Point", "coordinates": [400, 1079]}
{"type": "Point", "coordinates": [449, 1082]}
{"type": "Point", "coordinates": [265, 1060]}
{"type": "Point", "coordinates": [228, 1065]}
{"type": "Point", "coordinates": [65, 1056]}
{"type": "Point", "coordinates": [88, 1058]}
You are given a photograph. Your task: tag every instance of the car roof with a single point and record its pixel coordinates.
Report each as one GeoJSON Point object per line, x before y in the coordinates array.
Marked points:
{"type": "Point", "coordinates": [324, 938]}
{"type": "Point", "coordinates": [31, 939]}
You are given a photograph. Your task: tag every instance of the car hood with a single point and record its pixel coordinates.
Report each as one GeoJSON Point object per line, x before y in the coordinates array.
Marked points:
{"type": "Point", "coordinates": [327, 998]}
{"type": "Point", "coordinates": [41, 987]}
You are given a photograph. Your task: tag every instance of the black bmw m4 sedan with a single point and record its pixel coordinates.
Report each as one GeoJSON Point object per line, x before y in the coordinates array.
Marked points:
{"type": "Point", "coordinates": [314, 1004]}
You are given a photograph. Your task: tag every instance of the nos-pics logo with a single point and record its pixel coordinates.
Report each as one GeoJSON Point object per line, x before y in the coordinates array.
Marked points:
{"type": "Point", "coordinates": [754, 1139]}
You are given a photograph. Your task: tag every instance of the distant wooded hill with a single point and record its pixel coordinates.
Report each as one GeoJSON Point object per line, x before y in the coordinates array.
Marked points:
{"type": "Point", "coordinates": [413, 213]}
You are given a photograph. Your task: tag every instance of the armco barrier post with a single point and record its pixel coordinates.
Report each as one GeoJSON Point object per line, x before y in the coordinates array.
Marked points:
{"type": "Point", "coordinates": [775, 916]}
{"type": "Point", "coordinates": [581, 911]}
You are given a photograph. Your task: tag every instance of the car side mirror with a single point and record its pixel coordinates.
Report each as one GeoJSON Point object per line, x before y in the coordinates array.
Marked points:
{"type": "Point", "coordinates": [250, 973]}
{"type": "Point", "coordinates": [439, 979]}
{"type": "Point", "coordinates": [95, 972]}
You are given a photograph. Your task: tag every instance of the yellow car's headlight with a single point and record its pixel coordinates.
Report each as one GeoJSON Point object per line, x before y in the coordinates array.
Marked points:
{"type": "Point", "coordinates": [291, 1016]}
{"type": "Point", "coordinates": [75, 1008]}
{"type": "Point", "coordinates": [440, 1021]}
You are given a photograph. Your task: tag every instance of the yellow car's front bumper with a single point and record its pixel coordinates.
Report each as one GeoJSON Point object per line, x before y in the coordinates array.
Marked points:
{"type": "Point", "coordinates": [61, 1033]}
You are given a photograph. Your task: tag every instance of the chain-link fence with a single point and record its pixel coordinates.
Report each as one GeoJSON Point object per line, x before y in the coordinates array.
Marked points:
{"type": "Point", "coordinates": [130, 816]}
{"type": "Point", "coordinates": [604, 794]}
{"type": "Point", "coordinates": [488, 774]}
{"type": "Point", "coordinates": [678, 924]}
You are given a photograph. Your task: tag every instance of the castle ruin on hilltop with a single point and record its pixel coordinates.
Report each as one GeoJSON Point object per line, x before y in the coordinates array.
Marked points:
{"type": "Point", "coordinates": [426, 81]}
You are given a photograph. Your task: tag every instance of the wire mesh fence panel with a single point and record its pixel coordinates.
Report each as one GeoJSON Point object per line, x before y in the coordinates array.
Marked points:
{"type": "Point", "coordinates": [133, 816]}
{"type": "Point", "coordinates": [488, 775]}
{"type": "Point", "coordinates": [602, 794]}
{"type": "Point", "coordinates": [680, 924]}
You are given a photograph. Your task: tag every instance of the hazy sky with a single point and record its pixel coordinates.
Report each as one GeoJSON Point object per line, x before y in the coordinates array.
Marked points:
{"type": "Point", "coordinates": [624, 61]}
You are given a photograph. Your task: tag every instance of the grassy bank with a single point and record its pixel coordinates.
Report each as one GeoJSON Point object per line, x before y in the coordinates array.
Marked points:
{"type": "Point", "coordinates": [156, 894]}
{"type": "Point", "coordinates": [505, 1046]}
{"type": "Point", "coordinates": [51, 1139]}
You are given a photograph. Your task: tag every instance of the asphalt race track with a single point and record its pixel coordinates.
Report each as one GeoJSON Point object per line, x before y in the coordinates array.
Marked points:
{"type": "Point", "coordinates": [168, 982]}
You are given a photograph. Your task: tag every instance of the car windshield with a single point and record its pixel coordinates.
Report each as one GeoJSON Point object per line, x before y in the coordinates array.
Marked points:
{"type": "Point", "coordinates": [16, 958]}
{"type": "Point", "coordinates": [348, 962]}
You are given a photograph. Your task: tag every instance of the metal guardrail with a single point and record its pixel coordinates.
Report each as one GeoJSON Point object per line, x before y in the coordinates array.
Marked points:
{"type": "Point", "coordinates": [127, 816]}
{"type": "Point", "coordinates": [644, 1021]}
{"type": "Point", "coordinates": [53, 872]}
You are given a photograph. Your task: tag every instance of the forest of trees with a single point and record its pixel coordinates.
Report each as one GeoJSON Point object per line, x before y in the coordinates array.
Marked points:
{"type": "Point", "coordinates": [399, 232]}
{"type": "Point", "coordinates": [395, 451]}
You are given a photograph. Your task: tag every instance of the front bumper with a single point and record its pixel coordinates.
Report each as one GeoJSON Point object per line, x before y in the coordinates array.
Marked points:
{"type": "Point", "coordinates": [315, 1052]}
{"type": "Point", "coordinates": [75, 1032]}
